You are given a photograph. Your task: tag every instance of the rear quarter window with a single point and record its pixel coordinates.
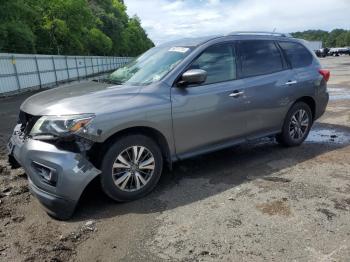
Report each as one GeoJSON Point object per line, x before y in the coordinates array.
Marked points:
{"type": "Point", "coordinates": [297, 54]}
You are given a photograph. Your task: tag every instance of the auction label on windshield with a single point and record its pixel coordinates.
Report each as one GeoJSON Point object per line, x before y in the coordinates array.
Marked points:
{"type": "Point", "coordinates": [178, 49]}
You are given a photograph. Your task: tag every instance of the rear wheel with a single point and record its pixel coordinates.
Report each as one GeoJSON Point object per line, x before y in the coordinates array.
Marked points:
{"type": "Point", "coordinates": [131, 168]}
{"type": "Point", "coordinates": [297, 125]}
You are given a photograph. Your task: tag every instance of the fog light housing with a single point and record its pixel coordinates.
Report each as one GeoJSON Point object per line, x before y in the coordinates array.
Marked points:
{"type": "Point", "coordinates": [47, 174]}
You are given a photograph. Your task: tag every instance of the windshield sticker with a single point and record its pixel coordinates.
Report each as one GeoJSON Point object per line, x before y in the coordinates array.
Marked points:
{"type": "Point", "coordinates": [179, 49]}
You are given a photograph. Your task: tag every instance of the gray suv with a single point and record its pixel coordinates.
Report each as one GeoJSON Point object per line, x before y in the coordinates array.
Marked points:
{"type": "Point", "coordinates": [176, 101]}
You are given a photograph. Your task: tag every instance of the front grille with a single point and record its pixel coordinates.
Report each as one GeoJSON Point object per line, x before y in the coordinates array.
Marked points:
{"type": "Point", "coordinates": [27, 122]}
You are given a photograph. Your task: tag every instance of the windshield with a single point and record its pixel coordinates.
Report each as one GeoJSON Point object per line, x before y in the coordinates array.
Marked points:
{"type": "Point", "coordinates": [151, 66]}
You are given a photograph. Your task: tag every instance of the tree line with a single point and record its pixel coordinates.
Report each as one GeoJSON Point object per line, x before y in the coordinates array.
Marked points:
{"type": "Point", "coordinates": [334, 38]}
{"type": "Point", "coordinates": [70, 27]}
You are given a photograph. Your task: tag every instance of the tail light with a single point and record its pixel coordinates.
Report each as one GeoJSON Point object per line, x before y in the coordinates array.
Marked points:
{"type": "Point", "coordinates": [325, 73]}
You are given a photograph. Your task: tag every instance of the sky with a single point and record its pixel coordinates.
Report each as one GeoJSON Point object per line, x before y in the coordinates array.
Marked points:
{"type": "Point", "coordinates": [166, 20]}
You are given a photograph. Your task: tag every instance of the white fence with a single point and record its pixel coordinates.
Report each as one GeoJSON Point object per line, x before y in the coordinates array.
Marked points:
{"type": "Point", "coordinates": [19, 72]}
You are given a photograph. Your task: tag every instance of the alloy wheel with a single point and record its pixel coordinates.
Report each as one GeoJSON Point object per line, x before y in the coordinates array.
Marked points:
{"type": "Point", "coordinates": [133, 168]}
{"type": "Point", "coordinates": [299, 124]}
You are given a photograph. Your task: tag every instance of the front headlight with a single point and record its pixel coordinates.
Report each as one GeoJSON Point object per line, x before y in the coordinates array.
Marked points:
{"type": "Point", "coordinates": [61, 125]}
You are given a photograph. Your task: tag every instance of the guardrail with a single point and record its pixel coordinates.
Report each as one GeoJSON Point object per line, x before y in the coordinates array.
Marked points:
{"type": "Point", "coordinates": [22, 72]}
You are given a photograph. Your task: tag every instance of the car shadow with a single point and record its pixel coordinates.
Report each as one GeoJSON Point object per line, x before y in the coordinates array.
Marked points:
{"type": "Point", "coordinates": [216, 172]}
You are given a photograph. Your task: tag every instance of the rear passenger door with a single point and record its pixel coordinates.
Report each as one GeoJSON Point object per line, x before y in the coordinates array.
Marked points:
{"type": "Point", "coordinates": [266, 80]}
{"type": "Point", "coordinates": [301, 60]}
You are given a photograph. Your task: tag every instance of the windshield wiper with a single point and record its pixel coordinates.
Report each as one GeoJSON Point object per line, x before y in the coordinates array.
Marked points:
{"type": "Point", "coordinates": [115, 82]}
{"type": "Point", "coordinates": [108, 81]}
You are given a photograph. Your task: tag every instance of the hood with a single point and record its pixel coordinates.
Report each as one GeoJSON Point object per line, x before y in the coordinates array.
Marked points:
{"type": "Point", "coordinates": [87, 97]}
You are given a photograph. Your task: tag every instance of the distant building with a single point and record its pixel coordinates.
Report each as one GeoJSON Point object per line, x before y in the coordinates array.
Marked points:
{"type": "Point", "coordinates": [314, 45]}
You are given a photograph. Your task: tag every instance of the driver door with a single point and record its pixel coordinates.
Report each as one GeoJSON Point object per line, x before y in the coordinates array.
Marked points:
{"type": "Point", "coordinates": [210, 114]}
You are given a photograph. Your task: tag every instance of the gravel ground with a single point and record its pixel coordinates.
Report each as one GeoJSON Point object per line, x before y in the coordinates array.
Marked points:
{"type": "Point", "coordinates": [252, 202]}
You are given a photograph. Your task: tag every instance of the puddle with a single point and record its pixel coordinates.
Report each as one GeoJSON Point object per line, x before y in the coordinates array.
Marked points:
{"type": "Point", "coordinates": [328, 136]}
{"type": "Point", "coordinates": [340, 97]}
{"type": "Point", "coordinates": [338, 93]}
{"type": "Point", "coordinates": [335, 89]}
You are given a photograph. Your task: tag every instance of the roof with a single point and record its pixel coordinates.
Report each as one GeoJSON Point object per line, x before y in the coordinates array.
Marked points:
{"type": "Point", "coordinates": [260, 33]}
{"type": "Point", "coordinates": [196, 41]}
{"type": "Point", "coordinates": [193, 41]}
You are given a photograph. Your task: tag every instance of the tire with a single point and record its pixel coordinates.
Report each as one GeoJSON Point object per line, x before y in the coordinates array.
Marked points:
{"type": "Point", "coordinates": [119, 165]}
{"type": "Point", "coordinates": [291, 135]}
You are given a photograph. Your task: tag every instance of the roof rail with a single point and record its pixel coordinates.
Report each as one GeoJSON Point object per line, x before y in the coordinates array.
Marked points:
{"type": "Point", "coordinates": [259, 33]}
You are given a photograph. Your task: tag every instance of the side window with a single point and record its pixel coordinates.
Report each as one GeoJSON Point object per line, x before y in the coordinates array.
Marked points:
{"type": "Point", "coordinates": [259, 57]}
{"type": "Point", "coordinates": [297, 54]}
{"type": "Point", "coordinates": [219, 61]}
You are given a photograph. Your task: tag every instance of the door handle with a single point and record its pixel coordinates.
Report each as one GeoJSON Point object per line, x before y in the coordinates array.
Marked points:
{"type": "Point", "coordinates": [290, 82]}
{"type": "Point", "coordinates": [236, 93]}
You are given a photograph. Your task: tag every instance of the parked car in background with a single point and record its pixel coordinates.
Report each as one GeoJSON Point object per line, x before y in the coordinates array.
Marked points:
{"type": "Point", "coordinates": [322, 52]}
{"type": "Point", "coordinates": [178, 100]}
{"type": "Point", "coordinates": [339, 51]}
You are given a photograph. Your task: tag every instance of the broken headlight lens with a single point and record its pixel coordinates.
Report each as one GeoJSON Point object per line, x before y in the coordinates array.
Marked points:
{"type": "Point", "coordinates": [60, 125]}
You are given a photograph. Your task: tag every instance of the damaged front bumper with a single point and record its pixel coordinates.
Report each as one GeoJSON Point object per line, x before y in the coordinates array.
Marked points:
{"type": "Point", "coordinates": [56, 177]}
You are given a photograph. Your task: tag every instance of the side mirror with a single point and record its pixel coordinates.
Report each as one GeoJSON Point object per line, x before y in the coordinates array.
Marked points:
{"type": "Point", "coordinates": [193, 76]}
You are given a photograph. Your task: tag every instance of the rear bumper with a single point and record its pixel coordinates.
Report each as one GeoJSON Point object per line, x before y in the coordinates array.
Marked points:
{"type": "Point", "coordinates": [60, 189]}
{"type": "Point", "coordinates": [321, 105]}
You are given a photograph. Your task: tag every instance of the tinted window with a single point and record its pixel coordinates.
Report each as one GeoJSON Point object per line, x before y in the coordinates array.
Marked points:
{"type": "Point", "coordinates": [297, 54]}
{"type": "Point", "coordinates": [259, 57]}
{"type": "Point", "coordinates": [219, 62]}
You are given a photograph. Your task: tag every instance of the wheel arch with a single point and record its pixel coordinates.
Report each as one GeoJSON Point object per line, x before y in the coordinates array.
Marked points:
{"type": "Point", "coordinates": [310, 101]}
{"type": "Point", "coordinates": [99, 149]}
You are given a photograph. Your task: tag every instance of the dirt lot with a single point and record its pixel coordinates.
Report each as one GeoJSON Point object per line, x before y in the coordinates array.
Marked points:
{"type": "Point", "coordinates": [253, 202]}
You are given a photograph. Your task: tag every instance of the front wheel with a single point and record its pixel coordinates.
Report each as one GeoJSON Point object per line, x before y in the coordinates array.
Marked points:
{"type": "Point", "coordinates": [131, 168]}
{"type": "Point", "coordinates": [297, 125]}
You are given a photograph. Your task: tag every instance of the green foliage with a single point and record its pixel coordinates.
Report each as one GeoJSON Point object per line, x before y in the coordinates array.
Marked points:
{"type": "Point", "coordinates": [3, 36]}
{"type": "Point", "coordinates": [334, 38]}
{"type": "Point", "coordinates": [99, 43]}
{"type": "Point", "coordinates": [16, 18]}
{"type": "Point", "coordinates": [78, 27]}
{"type": "Point", "coordinates": [20, 37]}
{"type": "Point", "coordinates": [343, 39]}
{"type": "Point", "coordinates": [134, 38]}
